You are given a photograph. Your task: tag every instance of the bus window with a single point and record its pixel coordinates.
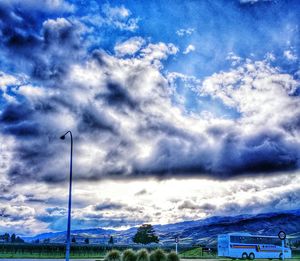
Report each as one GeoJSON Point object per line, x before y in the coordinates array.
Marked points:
{"type": "Point", "coordinates": [235, 239]}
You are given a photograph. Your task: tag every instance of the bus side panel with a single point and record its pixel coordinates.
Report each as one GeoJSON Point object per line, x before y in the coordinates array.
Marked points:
{"type": "Point", "coordinates": [273, 253]}
{"type": "Point", "coordinates": [236, 252]}
{"type": "Point", "coordinates": [266, 255]}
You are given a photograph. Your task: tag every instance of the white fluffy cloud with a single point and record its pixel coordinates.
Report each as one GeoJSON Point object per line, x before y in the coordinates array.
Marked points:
{"type": "Point", "coordinates": [288, 54]}
{"type": "Point", "coordinates": [253, 1]}
{"type": "Point", "coordinates": [189, 49]}
{"type": "Point", "coordinates": [260, 92]}
{"type": "Point", "coordinates": [59, 6]}
{"type": "Point", "coordinates": [130, 46]}
{"type": "Point", "coordinates": [185, 31]}
{"type": "Point", "coordinates": [6, 80]}
{"type": "Point", "coordinates": [120, 17]}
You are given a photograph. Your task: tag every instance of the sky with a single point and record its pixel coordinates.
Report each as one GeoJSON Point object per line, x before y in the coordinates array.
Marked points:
{"type": "Point", "coordinates": [180, 110]}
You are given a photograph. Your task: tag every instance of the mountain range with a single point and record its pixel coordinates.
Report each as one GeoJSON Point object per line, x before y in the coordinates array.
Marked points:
{"type": "Point", "coordinates": [204, 231]}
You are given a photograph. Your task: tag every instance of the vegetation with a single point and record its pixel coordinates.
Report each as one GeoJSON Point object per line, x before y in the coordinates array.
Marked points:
{"type": "Point", "coordinates": [199, 252]}
{"type": "Point", "coordinates": [296, 243]}
{"type": "Point", "coordinates": [145, 235]}
{"type": "Point", "coordinates": [73, 240]}
{"type": "Point", "coordinates": [158, 255]}
{"type": "Point", "coordinates": [11, 239]}
{"type": "Point", "coordinates": [192, 253]}
{"type": "Point", "coordinates": [129, 255]}
{"type": "Point", "coordinates": [113, 255]}
{"type": "Point", "coordinates": [46, 241]}
{"type": "Point", "coordinates": [142, 255]}
{"type": "Point", "coordinates": [172, 257]}
{"type": "Point", "coordinates": [27, 250]}
{"type": "Point", "coordinates": [111, 240]}
{"type": "Point", "coordinates": [87, 241]}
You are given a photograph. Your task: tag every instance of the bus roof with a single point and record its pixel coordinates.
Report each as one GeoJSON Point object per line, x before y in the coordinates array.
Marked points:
{"type": "Point", "coordinates": [248, 235]}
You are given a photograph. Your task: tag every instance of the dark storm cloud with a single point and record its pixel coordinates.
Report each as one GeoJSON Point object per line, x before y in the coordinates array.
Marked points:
{"type": "Point", "coordinates": [178, 152]}
{"type": "Point", "coordinates": [154, 126]}
{"type": "Point", "coordinates": [15, 113]}
{"type": "Point", "coordinates": [292, 126]}
{"type": "Point", "coordinates": [141, 192]}
{"type": "Point", "coordinates": [45, 55]}
{"type": "Point", "coordinates": [58, 223]}
{"type": "Point", "coordinates": [15, 213]}
{"type": "Point", "coordinates": [254, 1]}
{"type": "Point", "coordinates": [262, 153]}
{"type": "Point", "coordinates": [207, 207]}
{"type": "Point", "coordinates": [118, 96]}
{"type": "Point", "coordinates": [61, 45]}
{"type": "Point", "coordinates": [108, 206]}
{"type": "Point", "coordinates": [32, 161]}
{"type": "Point", "coordinates": [177, 156]}
{"type": "Point", "coordinates": [273, 202]}
{"type": "Point", "coordinates": [22, 129]}
{"type": "Point", "coordinates": [18, 28]}
{"type": "Point", "coordinates": [187, 204]}
{"type": "Point", "coordinates": [93, 216]}
{"type": "Point", "coordinates": [56, 210]}
{"type": "Point", "coordinates": [6, 198]}
{"type": "Point", "coordinates": [93, 120]}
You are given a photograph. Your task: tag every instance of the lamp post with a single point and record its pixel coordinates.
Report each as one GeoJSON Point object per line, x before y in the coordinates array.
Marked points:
{"type": "Point", "coordinates": [70, 198]}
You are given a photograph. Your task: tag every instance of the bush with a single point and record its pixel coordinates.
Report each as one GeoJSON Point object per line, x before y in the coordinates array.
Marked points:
{"type": "Point", "coordinates": [128, 255]}
{"type": "Point", "coordinates": [113, 255]}
{"type": "Point", "coordinates": [158, 255]}
{"type": "Point", "coordinates": [172, 257]}
{"type": "Point", "coordinates": [142, 255]}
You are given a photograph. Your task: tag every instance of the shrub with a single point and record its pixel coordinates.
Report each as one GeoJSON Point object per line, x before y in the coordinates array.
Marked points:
{"type": "Point", "coordinates": [158, 255]}
{"type": "Point", "coordinates": [113, 255]}
{"type": "Point", "coordinates": [142, 255]}
{"type": "Point", "coordinates": [128, 255]}
{"type": "Point", "coordinates": [172, 257]}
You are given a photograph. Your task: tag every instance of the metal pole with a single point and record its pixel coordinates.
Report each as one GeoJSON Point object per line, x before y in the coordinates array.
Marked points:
{"type": "Point", "coordinates": [282, 249]}
{"type": "Point", "coordinates": [70, 199]}
{"type": "Point", "coordinates": [176, 248]}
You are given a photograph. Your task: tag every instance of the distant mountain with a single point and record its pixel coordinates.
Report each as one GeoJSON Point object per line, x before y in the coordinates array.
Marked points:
{"type": "Point", "coordinates": [98, 235]}
{"type": "Point", "coordinates": [203, 231]}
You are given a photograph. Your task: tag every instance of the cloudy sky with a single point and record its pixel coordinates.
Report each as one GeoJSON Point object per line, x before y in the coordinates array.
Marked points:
{"type": "Point", "coordinates": [180, 110]}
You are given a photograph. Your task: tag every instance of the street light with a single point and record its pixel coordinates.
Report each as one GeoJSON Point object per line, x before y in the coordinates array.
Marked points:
{"type": "Point", "coordinates": [70, 199]}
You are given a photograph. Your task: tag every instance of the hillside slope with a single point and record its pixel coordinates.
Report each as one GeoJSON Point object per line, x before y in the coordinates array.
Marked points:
{"type": "Point", "coordinates": [203, 231]}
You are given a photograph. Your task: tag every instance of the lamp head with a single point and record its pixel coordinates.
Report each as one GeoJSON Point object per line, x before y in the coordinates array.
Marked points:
{"type": "Point", "coordinates": [63, 137]}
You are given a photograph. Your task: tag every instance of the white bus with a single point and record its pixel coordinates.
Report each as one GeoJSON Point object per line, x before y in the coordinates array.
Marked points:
{"type": "Point", "coordinates": [247, 246]}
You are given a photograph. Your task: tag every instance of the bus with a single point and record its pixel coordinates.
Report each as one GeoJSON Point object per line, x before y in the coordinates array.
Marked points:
{"type": "Point", "coordinates": [247, 246]}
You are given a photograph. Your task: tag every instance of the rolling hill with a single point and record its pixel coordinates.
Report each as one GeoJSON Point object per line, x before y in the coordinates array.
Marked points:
{"type": "Point", "coordinates": [203, 231]}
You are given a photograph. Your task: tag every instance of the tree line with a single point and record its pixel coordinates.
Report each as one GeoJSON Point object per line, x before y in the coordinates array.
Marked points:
{"type": "Point", "coordinates": [7, 238]}
{"type": "Point", "coordinates": [144, 235]}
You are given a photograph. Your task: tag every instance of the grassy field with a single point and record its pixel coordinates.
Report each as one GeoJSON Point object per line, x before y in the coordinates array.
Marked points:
{"type": "Point", "coordinates": [93, 252]}
{"type": "Point", "coordinates": [45, 256]}
{"type": "Point", "coordinates": [44, 251]}
{"type": "Point", "coordinates": [197, 253]}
